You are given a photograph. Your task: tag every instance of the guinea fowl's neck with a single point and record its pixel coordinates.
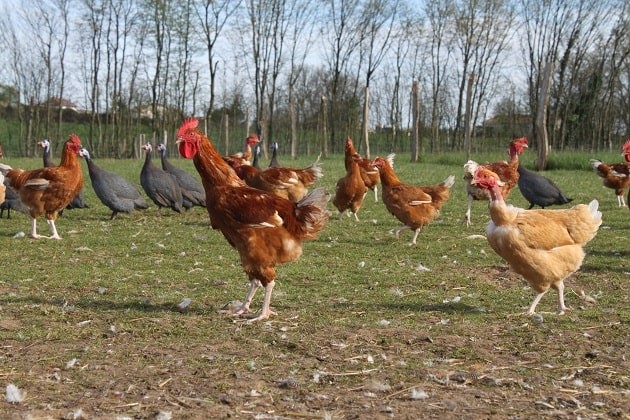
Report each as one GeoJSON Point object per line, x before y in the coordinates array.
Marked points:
{"type": "Point", "coordinates": [147, 158]}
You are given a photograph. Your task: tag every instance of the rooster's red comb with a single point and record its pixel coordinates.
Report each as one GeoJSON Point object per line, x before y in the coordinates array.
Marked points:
{"type": "Point", "coordinates": [626, 146]}
{"type": "Point", "coordinates": [75, 139]}
{"type": "Point", "coordinates": [187, 125]}
{"type": "Point", "coordinates": [521, 140]}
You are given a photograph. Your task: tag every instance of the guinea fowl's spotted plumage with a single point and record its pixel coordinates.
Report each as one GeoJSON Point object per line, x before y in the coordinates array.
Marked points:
{"type": "Point", "coordinates": [159, 185]}
{"type": "Point", "coordinates": [193, 193]}
{"type": "Point", "coordinates": [115, 192]}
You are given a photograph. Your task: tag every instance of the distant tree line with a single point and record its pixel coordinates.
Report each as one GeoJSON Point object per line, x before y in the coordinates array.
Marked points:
{"type": "Point", "coordinates": [309, 73]}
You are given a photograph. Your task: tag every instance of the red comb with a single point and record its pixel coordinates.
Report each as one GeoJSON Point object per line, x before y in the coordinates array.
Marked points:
{"type": "Point", "coordinates": [187, 125]}
{"type": "Point", "coordinates": [626, 146]}
{"type": "Point", "coordinates": [75, 139]}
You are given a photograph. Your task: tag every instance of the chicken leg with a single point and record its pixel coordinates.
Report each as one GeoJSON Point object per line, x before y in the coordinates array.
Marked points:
{"type": "Point", "coordinates": [266, 312]}
{"type": "Point", "coordinates": [244, 308]}
{"type": "Point", "coordinates": [53, 229]}
{"type": "Point", "coordinates": [561, 307]}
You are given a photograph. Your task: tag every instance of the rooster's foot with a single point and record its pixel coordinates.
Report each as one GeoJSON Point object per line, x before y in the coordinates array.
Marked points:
{"type": "Point", "coordinates": [259, 317]}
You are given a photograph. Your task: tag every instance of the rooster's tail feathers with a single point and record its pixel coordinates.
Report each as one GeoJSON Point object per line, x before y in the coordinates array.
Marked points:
{"type": "Point", "coordinates": [317, 198]}
{"type": "Point", "coordinates": [316, 169]}
{"type": "Point", "coordinates": [448, 182]}
{"type": "Point", "coordinates": [313, 212]}
{"type": "Point", "coordinates": [390, 159]}
{"type": "Point", "coordinates": [4, 168]}
{"type": "Point", "coordinates": [593, 207]}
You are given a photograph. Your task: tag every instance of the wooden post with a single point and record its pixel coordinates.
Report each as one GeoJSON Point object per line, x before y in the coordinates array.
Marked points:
{"type": "Point", "coordinates": [324, 119]}
{"type": "Point", "coordinates": [225, 125]}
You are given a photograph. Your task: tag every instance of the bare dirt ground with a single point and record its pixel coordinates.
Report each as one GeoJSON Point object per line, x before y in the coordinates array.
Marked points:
{"type": "Point", "coordinates": [431, 362]}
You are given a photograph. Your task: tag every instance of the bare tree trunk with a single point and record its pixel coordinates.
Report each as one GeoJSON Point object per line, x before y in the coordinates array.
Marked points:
{"type": "Point", "coordinates": [324, 124]}
{"type": "Point", "coordinates": [225, 126]}
{"type": "Point", "coordinates": [467, 117]}
{"type": "Point", "coordinates": [366, 115]}
{"type": "Point", "coordinates": [293, 118]}
{"type": "Point", "coordinates": [541, 119]}
{"type": "Point", "coordinates": [415, 119]}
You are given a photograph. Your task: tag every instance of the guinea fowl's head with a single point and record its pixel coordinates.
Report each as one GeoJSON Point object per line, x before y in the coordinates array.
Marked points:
{"type": "Point", "coordinates": [161, 148]}
{"type": "Point", "coordinates": [84, 153]}
{"type": "Point", "coordinates": [188, 139]}
{"type": "Point", "coordinates": [147, 147]}
{"type": "Point", "coordinates": [625, 151]}
{"type": "Point", "coordinates": [44, 144]}
{"type": "Point", "coordinates": [486, 179]}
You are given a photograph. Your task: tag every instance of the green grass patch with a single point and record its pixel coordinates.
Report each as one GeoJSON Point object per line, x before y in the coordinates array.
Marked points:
{"type": "Point", "coordinates": [358, 327]}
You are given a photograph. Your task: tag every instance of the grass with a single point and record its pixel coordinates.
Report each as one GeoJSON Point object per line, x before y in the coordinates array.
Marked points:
{"type": "Point", "coordinates": [359, 326]}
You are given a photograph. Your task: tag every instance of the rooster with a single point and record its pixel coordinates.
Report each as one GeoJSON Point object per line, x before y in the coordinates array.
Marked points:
{"type": "Point", "coordinates": [369, 174]}
{"type": "Point", "coordinates": [507, 171]}
{"type": "Point", "coordinates": [244, 157]}
{"type": "Point", "coordinates": [265, 229]}
{"type": "Point", "coordinates": [289, 183]}
{"type": "Point", "coordinates": [350, 190]}
{"type": "Point", "coordinates": [414, 206]}
{"type": "Point", "coordinates": [544, 246]}
{"type": "Point", "coordinates": [615, 175]}
{"type": "Point", "coordinates": [49, 190]}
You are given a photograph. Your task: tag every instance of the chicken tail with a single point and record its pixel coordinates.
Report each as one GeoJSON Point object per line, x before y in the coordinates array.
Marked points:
{"type": "Point", "coordinates": [449, 181]}
{"type": "Point", "coordinates": [312, 211]}
{"type": "Point", "coordinates": [593, 207]}
{"type": "Point", "coordinates": [599, 167]}
{"type": "Point", "coordinates": [4, 168]}
{"type": "Point", "coordinates": [390, 159]}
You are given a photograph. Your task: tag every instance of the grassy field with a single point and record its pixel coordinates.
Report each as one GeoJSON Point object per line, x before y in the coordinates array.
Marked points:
{"type": "Point", "coordinates": [89, 325]}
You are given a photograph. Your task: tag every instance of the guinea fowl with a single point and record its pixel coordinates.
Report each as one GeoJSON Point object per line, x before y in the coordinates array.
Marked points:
{"type": "Point", "coordinates": [193, 193]}
{"type": "Point", "coordinates": [115, 192]}
{"type": "Point", "coordinates": [78, 202]}
{"type": "Point", "coordinates": [159, 185]}
{"type": "Point", "coordinates": [11, 202]}
{"type": "Point", "coordinates": [273, 163]}
{"type": "Point", "coordinates": [539, 190]}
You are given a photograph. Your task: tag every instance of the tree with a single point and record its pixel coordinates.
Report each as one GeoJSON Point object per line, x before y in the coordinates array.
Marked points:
{"type": "Point", "coordinates": [214, 16]}
{"type": "Point", "coordinates": [483, 31]}
{"type": "Point", "coordinates": [377, 20]}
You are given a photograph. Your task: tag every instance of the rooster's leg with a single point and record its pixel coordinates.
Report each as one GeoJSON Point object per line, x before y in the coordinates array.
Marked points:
{"type": "Point", "coordinates": [621, 201]}
{"type": "Point", "coordinates": [415, 236]}
{"type": "Point", "coordinates": [356, 218]}
{"type": "Point", "coordinates": [376, 193]}
{"type": "Point", "coordinates": [467, 214]}
{"type": "Point", "coordinates": [532, 307]}
{"type": "Point", "coordinates": [34, 234]}
{"type": "Point", "coordinates": [53, 229]}
{"type": "Point", "coordinates": [253, 286]}
{"type": "Point", "coordinates": [561, 307]}
{"type": "Point", "coordinates": [400, 229]}
{"type": "Point", "coordinates": [266, 312]}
